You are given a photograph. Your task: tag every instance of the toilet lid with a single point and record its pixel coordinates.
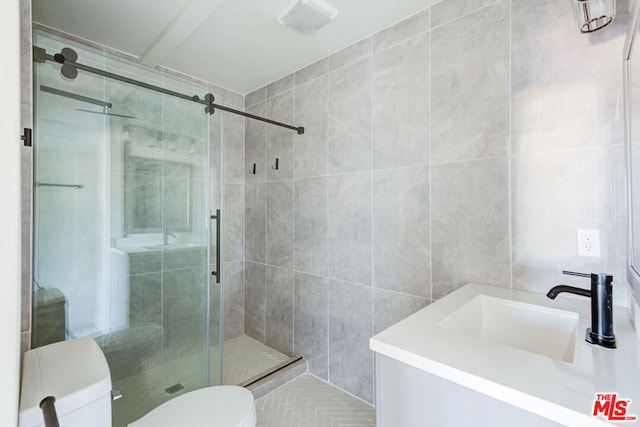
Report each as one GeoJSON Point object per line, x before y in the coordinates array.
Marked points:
{"type": "Point", "coordinates": [220, 406]}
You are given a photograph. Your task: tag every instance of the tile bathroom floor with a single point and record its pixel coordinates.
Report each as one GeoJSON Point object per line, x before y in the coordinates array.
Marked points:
{"type": "Point", "coordinates": [310, 402]}
{"type": "Point", "coordinates": [244, 358]}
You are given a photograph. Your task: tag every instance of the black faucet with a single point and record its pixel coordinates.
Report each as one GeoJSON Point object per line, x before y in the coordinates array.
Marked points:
{"type": "Point", "coordinates": [601, 330]}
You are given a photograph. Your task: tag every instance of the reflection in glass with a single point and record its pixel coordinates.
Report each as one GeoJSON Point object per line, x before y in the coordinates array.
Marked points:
{"type": "Point", "coordinates": [123, 255]}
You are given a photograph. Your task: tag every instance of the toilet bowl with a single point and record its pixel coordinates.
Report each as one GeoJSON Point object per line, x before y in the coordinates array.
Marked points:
{"type": "Point", "coordinates": [76, 373]}
{"type": "Point", "coordinates": [210, 406]}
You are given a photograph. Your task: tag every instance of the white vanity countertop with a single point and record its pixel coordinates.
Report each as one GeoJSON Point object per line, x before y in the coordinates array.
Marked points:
{"type": "Point", "coordinates": [558, 390]}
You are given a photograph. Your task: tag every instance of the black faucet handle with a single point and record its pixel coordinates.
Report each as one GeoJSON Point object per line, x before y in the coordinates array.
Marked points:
{"type": "Point", "coordinates": [573, 273]}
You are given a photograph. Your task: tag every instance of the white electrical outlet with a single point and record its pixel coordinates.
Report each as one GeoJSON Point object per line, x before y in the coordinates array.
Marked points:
{"type": "Point", "coordinates": [589, 243]}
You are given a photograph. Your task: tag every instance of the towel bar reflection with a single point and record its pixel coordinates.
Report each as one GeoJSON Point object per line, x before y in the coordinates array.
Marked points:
{"type": "Point", "coordinates": [48, 184]}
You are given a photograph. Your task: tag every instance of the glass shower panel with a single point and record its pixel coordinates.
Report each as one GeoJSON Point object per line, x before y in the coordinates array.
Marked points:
{"type": "Point", "coordinates": [124, 254]}
{"type": "Point", "coordinates": [70, 187]}
{"type": "Point", "coordinates": [216, 144]}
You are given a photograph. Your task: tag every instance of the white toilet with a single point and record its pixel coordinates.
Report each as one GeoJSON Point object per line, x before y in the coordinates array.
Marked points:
{"type": "Point", "coordinates": [76, 373]}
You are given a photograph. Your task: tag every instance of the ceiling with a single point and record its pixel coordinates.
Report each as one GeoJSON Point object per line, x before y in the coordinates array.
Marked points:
{"type": "Point", "coordinates": [236, 44]}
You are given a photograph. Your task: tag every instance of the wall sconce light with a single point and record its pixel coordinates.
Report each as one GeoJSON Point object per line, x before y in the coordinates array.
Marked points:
{"type": "Point", "coordinates": [593, 15]}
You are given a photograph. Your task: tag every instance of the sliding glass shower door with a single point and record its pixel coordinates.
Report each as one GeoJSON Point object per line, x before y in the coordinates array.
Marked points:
{"type": "Point", "coordinates": [125, 183]}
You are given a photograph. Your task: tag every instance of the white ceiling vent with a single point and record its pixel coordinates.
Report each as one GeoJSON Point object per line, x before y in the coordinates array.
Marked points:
{"type": "Point", "coordinates": [307, 16]}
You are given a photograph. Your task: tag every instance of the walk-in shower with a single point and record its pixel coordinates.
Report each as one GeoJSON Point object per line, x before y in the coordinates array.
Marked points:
{"type": "Point", "coordinates": [125, 181]}
{"type": "Point", "coordinates": [127, 208]}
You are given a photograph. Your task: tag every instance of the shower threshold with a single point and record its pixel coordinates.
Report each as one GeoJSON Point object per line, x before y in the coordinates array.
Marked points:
{"type": "Point", "coordinates": [245, 361]}
{"type": "Point", "coordinates": [263, 375]}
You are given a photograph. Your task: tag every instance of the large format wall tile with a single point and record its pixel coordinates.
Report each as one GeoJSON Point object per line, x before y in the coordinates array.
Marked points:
{"type": "Point", "coordinates": [215, 316]}
{"type": "Point", "coordinates": [183, 311]}
{"type": "Point", "coordinates": [256, 145]}
{"type": "Point", "coordinates": [470, 225]}
{"type": "Point", "coordinates": [256, 222]}
{"type": "Point", "coordinates": [183, 294]}
{"type": "Point", "coordinates": [350, 327]}
{"type": "Point", "coordinates": [566, 86]}
{"type": "Point", "coordinates": [145, 262]}
{"type": "Point", "coordinates": [349, 132]}
{"type": "Point", "coordinates": [401, 241]}
{"type": "Point", "coordinates": [234, 164]}
{"type": "Point", "coordinates": [233, 300]}
{"type": "Point", "coordinates": [406, 29]}
{"type": "Point", "coordinates": [145, 299]}
{"type": "Point", "coordinates": [255, 97]}
{"type": "Point", "coordinates": [279, 86]}
{"type": "Point", "coordinates": [391, 307]}
{"type": "Point", "coordinates": [470, 86]}
{"type": "Point", "coordinates": [350, 54]}
{"type": "Point", "coordinates": [185, 336]}
{"type": "Point", "coordinates": [554, 194]}
{"type": "Point", "coordinates": [312, 71]}
{"type": "Point", "coordinates": [445, 11]}
{"type": "Point", "coordinates": [280, 140]}
{"type": "Point", "coordinates": [229, 97]}
{"type": "Point", "coordinates": [350, 227]}
{"type": "Point", "coordinates": [176, 259]}
{"type": "Point", "coordinates": [280, 223]}
{"type": "Point", "coordinates": [412, 108]}
{"type": "Point", "coordinates": [311, 112]}
{"type": "Point", "coordinates": [217, 157]}
{"type": "Point", "coordinates": [401, 105]}
{"type": "Point", "coordinates": [279, 309]}
{"type": "Point", "coordinates": [311, 225]}
{"type": "Point", "coordinates": [234, 222]}
{"type": "Point", "coordinates": [254, 300]}
{"type": "Point", "coordinates": [311, 321]}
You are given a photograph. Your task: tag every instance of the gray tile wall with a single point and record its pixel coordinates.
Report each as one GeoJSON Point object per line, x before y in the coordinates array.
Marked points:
{"type": "Point", "coordinates": [165, 299]}
{"type": "Point", "coordinates": [568, 160]}
{"type": "Point", "coordinates": [234, 217]}
{"type": "Point", "coordinates": [467, 143]}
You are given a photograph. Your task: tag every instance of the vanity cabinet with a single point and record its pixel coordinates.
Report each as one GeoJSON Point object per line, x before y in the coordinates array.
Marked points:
{"type": "Point", "coordinates": [409, 397]}
{"type": "Point", "coordinates": [476, 358]}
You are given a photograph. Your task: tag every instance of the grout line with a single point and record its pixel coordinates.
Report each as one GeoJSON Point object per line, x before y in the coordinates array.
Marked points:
{"type": "Point", "coordinates": [328, 383]}
{"type": "Point", "coordinates": [327, 248]}
{"type": "Point", "coordinates": [244, 222]}
{"type": "Point", "coordinates": [510, 151]}
{"type": "Point", "coordinates": [465, 15]}
{"type": "Point", "coordinates": [265, 141]}
{"type": "Point", "coordinates": [293, 229]}
{"type": "Point", "coordinates": [341, 389]}
{"type": "Point", "coordinates": [372, 331]}
{"type": "Point", "coordinates": [385, 169]}
{"type": "Point", "coordinates": [312, 79]}
{"type": "Point", "coordinates": [471, 160]}
{"type": "Point", "coordinates": [405, 40]}
{"type": "Point", "coordinates": [399, 293]}
{"type": "Point", "coordinates": [430, 142]}
{"type": "Point", "coordinates": [323, 277]}
{"type": "Point", "coordinates": [570, 150]}
{"type": "Point", "coordinates": [162, 275]}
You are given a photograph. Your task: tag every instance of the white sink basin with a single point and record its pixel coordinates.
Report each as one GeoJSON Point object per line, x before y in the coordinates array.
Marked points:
{"type": "Point", "coordinates": [545, 331]}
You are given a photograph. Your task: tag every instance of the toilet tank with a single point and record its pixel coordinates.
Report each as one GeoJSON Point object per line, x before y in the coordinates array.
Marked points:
{"type": "Point", "coordinates": [76, 373]}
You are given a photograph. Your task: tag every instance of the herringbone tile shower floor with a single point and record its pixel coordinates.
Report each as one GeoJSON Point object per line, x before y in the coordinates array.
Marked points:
{"type": "Point", "coordinates": [310, 402]}
{"type": "Point", "coordinates": [243, 358]}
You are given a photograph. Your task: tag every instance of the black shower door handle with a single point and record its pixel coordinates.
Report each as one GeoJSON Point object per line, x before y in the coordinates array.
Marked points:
{"type": "Point", "coordinates": [217, 270]}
